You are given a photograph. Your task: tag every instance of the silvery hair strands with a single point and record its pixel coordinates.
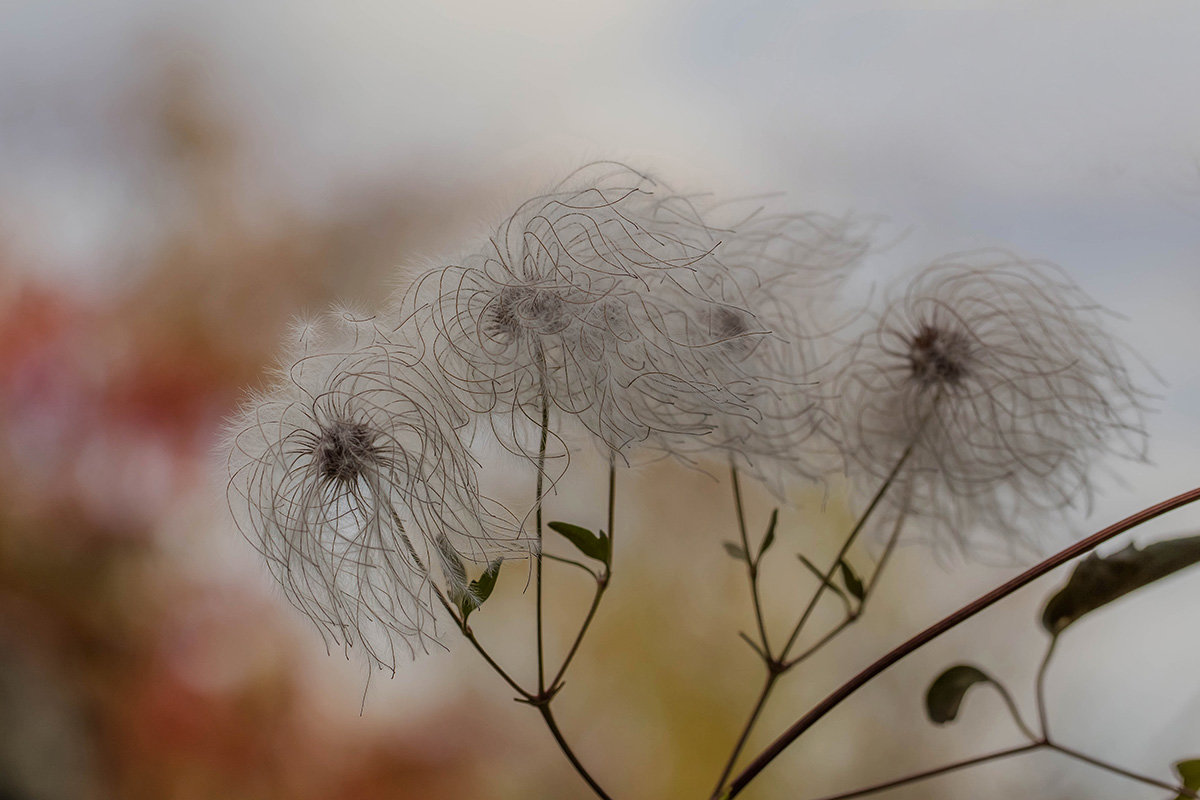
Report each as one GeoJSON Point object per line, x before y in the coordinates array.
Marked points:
{"type": "Point", "coordinates": [347, 474]}
{"type": "Point", "coordinates": [1002, 378]}
{"type": "Point", "coordinates": [573, 303]}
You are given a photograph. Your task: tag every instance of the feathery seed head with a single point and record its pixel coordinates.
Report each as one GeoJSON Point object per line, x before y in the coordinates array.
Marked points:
{"type": "Point", "coordinates": [1003, 379]}
{"type": "Point", "coordinates": [347, 474]}
{"type": "Point", "coordinates": [761, 309]}
{"type": "Point", "coordinates": [576, 302]}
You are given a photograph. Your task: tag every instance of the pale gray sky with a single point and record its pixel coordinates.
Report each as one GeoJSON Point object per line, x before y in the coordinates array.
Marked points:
{"type": "Point", "coordinates": [1064, 130]}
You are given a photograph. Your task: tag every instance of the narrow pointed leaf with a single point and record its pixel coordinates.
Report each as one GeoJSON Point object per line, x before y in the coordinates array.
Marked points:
{"type": "Point", "coordinates": [816, 571]}
{"type": "Point", "coordinates": [853, 585]}
{"type": "Point", "coordinates": [769, 538]}
{"type": "Point", "coordinates": [1099, 580]}
{"type": "Point", "coordinates": [1189, 775]}
{"type": "Point", "coordinates": [586, 542]}
{"type": "Point", "coordinates": [734, 550]}
{"type": "Point", "coordinates": [946, 694]}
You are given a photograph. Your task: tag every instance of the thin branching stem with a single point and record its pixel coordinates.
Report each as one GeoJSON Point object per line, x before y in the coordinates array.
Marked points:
{"type": "Point", "coordinates": [469, 635]}
{"type": "Point", "coordinates": [1015, 712]}
{"type": "Point", "coordinates": [601, 581]}
{"type": "Point", "coordinates": [936, 771]}
{"type": "Point", "coordinates": [541, 700]}
{"type": "Point", "coordinates": [833, 633]}
{"type": "Point", "coordinates": [948, 623]}
{"type": "Point", "coordinates": [833, 587]}
{"type": "Point", "coordinates": [541, 474]}
{"type": "Point", "coordinates": [850, 539]}
{"type": "Point", "coordinates": [600, 585]}
{"type": "Point", "coordinates": [751, 561]}
{"type": "Point", "coordinates": [1035, 744]}
{"type": "Point", "coordinates": [544, 696]}
{"type": "Point", "coordinates": [612, 495]}
{"type": "Point", "coordinates": [760, 703]}
{"type": "Point", "coordinates": [1113, 768]}
{"type": "Point", "coordinates": [778, 665]}
{"type": "Point", "coordinates": [853, 616]}
{"type": "Point", "coordinates": [459, 621]}
{"type": "Point", "coordinates": [1040, 687]}
{"type": "Point", "coordinates": [573, 563]}
{"type": "Point", "coordinates": [548, 716]}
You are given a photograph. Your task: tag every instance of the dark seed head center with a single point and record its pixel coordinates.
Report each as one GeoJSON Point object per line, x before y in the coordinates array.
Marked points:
{"type": "Point", "coordinates": [728, 323]}
{"type": "Point", "coordinates": [939, 356]}
{"type": "Point", "coordinates": [731, 329]}
{"type": "Point", "coordinates": [344, 450]}
{"type": "Point", "coordinates": [518, 309]}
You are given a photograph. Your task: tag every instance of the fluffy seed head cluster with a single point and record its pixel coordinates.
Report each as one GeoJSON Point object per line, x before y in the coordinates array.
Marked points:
{"type": "Point", "coordinates": [654, 322]}
{"type": "Point", "coordinates": [584, 300]}
{"type": "Point", "coordinates": [763, 314]}
{"type": "Point", "coordinates": [348, 476]}
{"type": "Point", "coordinates": [1001, 378]}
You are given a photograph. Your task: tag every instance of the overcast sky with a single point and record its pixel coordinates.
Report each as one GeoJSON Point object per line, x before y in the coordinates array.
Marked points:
{"type": "Point", "coordinates": [1065, 131]}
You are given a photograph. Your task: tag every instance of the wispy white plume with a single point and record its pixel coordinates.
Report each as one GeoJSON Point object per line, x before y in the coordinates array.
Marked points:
{"type": "Point", "coordinates": [575, 303]}
{"type": "Point", "coordinates": [347, 474]}
{"type": "Point", "coordinates": [1002, 377]}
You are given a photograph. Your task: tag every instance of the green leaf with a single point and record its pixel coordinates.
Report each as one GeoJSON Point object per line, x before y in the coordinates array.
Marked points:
{"type": "Point", "coordinates": [769, 538]}
{"type": "Point", "coordinates": [946, 694]}
{"type": "Point", "coordinates": [482, 587]}
{"type": "Point", "coordinates": [734, 550]}
{"type": "Point", "coordinates": [853, 585]}
{"type": "Point", "coordinates": [477, 592]}
{"type": "Point", "coordinates": [1099, 580]}
{"type": "Point", "coordinates": [1189, 775]}
{"type": "Point", "coordinates": [590, 544]}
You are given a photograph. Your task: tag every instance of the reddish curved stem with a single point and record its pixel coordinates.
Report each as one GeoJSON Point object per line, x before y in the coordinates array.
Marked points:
{"type": "Point", "coordinates": [937, 629]}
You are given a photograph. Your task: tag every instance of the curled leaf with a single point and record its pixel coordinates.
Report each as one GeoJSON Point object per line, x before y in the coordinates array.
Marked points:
{"type": "Point", "coordinates": [946, 693]}
{"type": "Point", "coordinates": [1099, 580]}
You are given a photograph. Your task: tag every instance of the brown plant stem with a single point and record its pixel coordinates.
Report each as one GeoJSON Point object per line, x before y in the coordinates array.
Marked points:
{"type": "Point", "coordinates": [778, 665]}
{"type": "Point", "coordinates": [1125, 773]}
{"type": "Point", "coordinates": [544, 708]}
{"type": "Point", "coordinates": [751, 562]}
{"type": "Point", "coordinates": [541, 474]}
{"type": "Point", "coordinates": [601, 583]}
{"type": "Point", "coordinates": [937, 629]}
{"type": "Point", "coordinates": [933, 773]}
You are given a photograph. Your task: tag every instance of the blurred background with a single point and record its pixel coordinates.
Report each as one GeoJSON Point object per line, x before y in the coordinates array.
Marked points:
{"type": "Point", "coordinates": [178, 179]}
